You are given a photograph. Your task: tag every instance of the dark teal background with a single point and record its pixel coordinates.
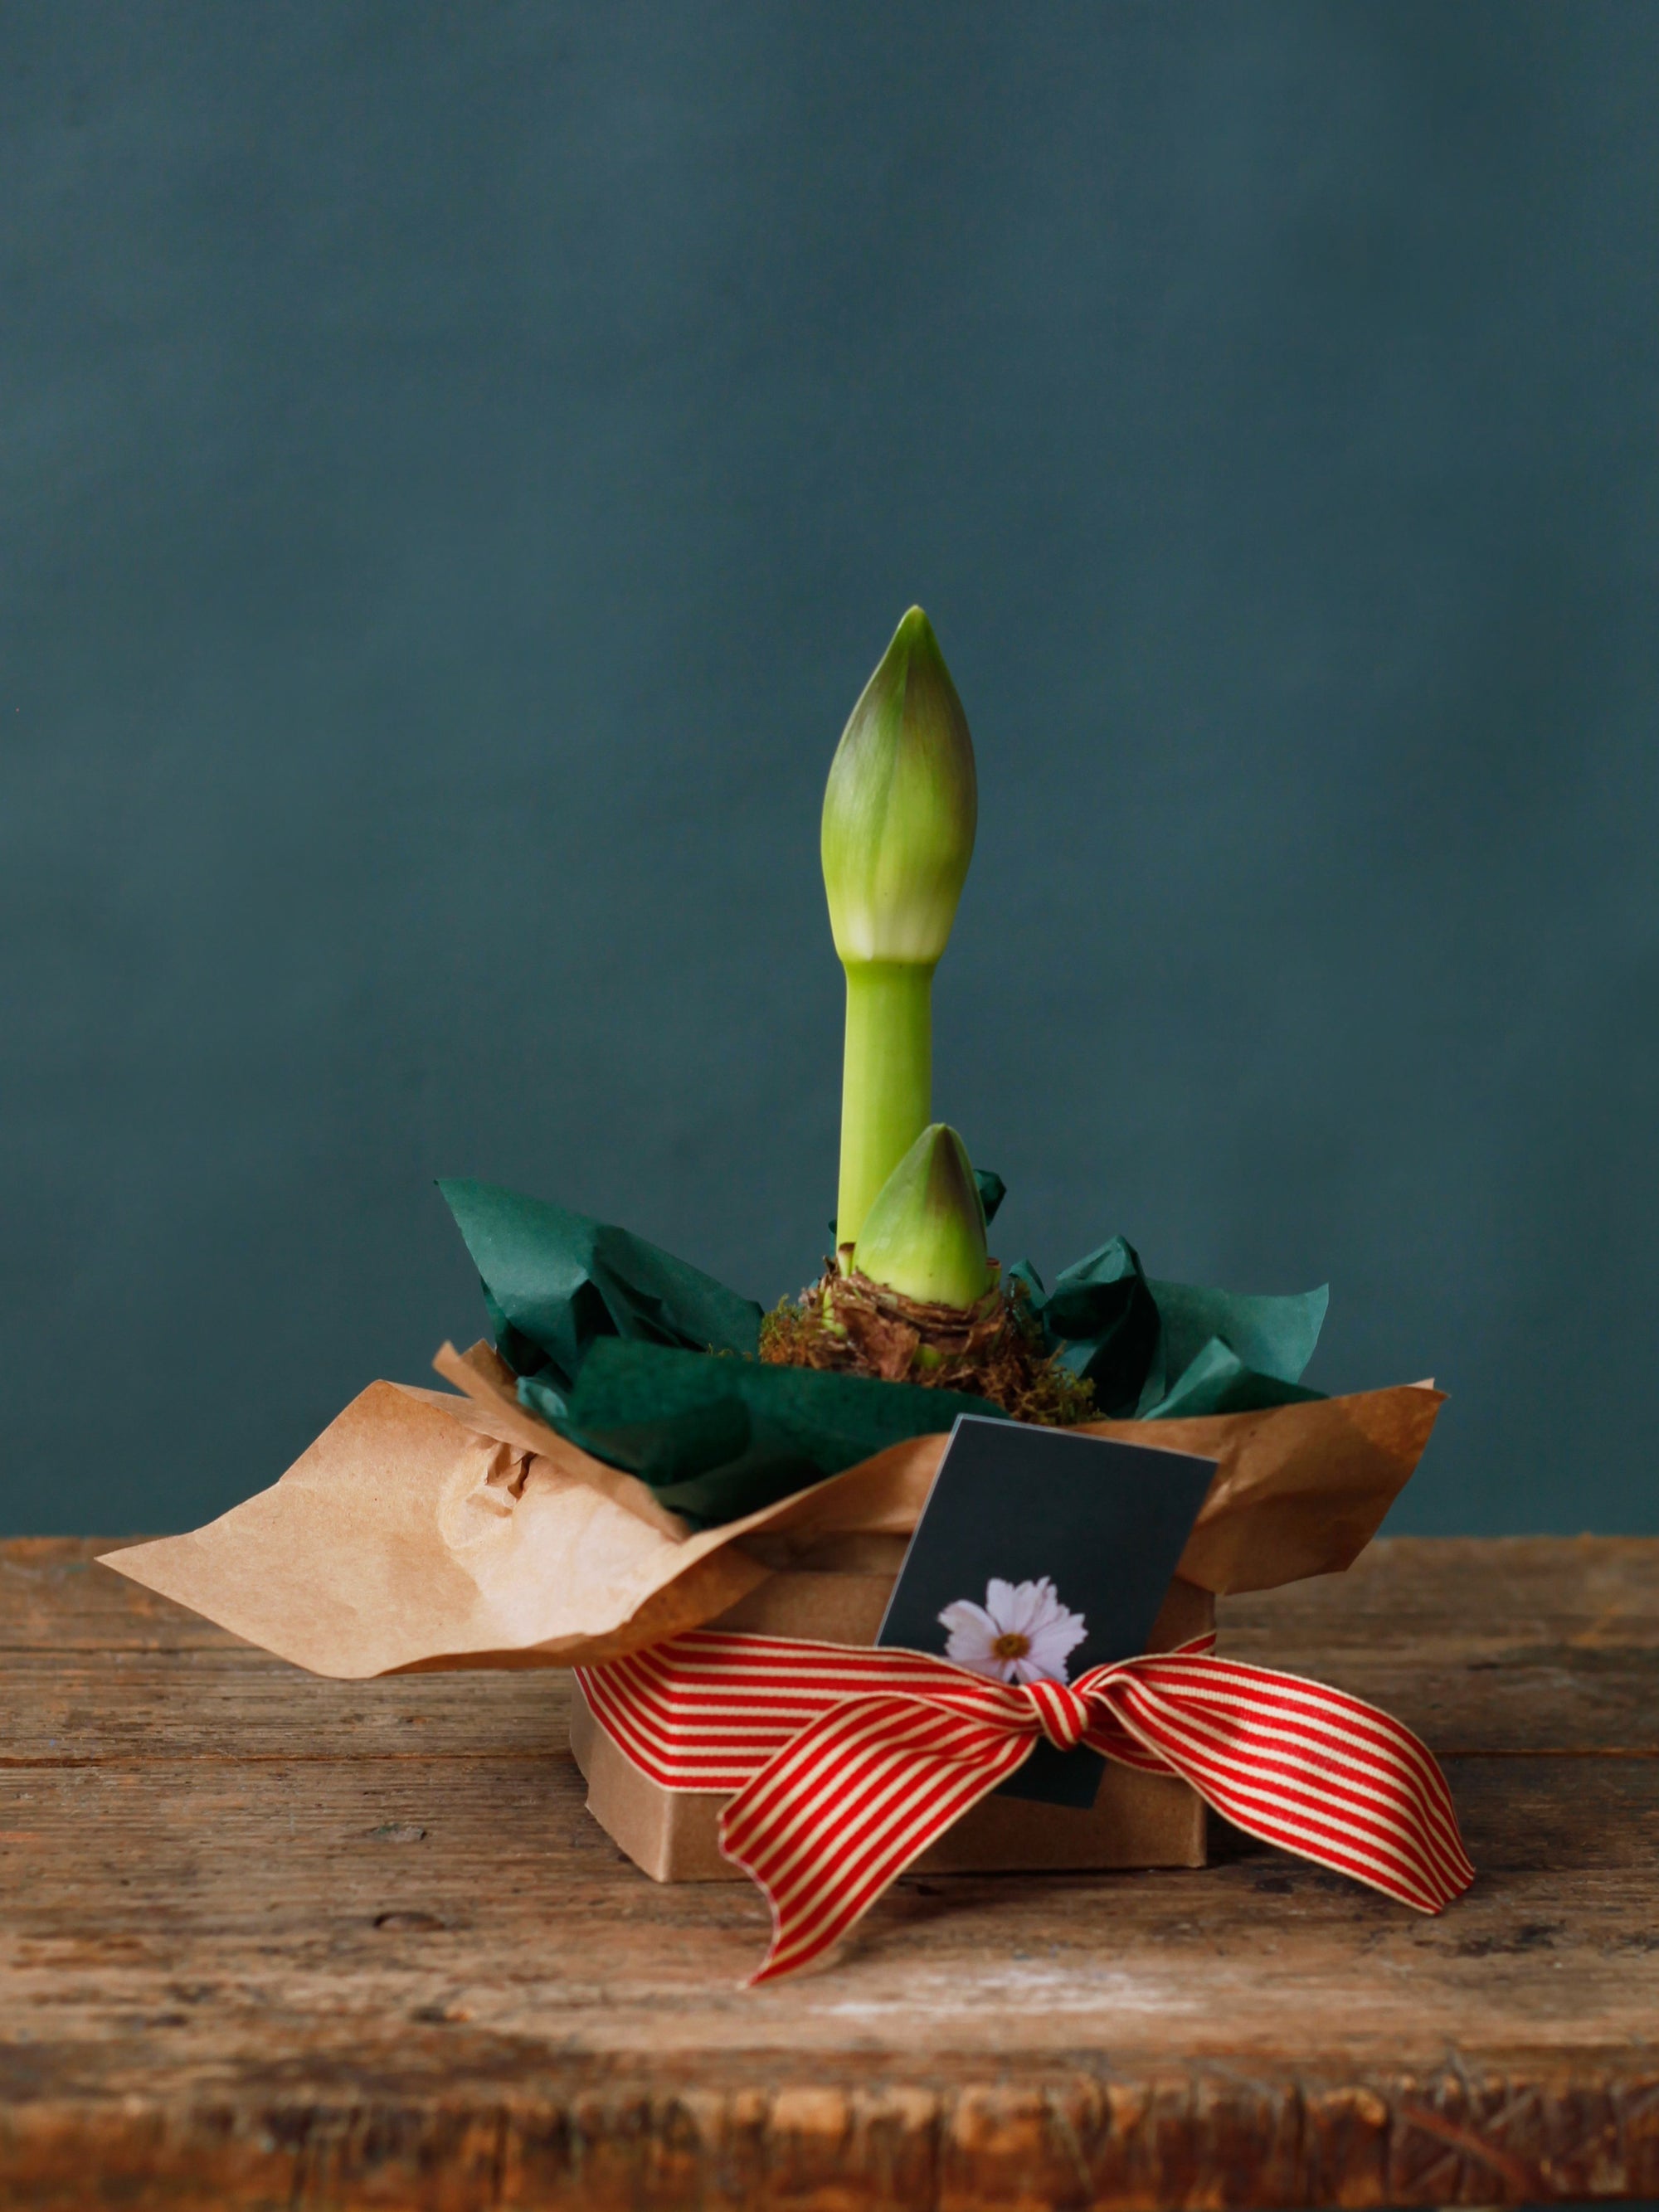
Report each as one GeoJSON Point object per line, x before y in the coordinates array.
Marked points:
{"type": "Point", "coordinates": [458, 466]}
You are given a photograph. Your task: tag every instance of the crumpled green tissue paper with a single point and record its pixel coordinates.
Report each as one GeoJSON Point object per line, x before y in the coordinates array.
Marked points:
{"type": "Point", "coordinates": [1154, 1350]}
{"type": "Point", "coordinates": [651, 1365]}
{"type": "Point", "coordinates": [718, 1437]}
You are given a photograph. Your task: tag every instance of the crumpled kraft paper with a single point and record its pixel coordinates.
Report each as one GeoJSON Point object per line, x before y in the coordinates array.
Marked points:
{"type": "Point", "coordinates": [424, 1530]}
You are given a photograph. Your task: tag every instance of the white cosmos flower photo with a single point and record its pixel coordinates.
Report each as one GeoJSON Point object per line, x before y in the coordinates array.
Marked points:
{"type": "Point", "coordinates": [1022, 1633]}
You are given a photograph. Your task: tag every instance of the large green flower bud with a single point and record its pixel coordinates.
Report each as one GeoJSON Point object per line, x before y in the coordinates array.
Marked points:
{"type": "Point", "coordinates": [900, 808]}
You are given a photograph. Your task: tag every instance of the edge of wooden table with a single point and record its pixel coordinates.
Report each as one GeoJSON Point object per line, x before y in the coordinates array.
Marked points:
{"type": "Point", "coordinates": [171, 2047]}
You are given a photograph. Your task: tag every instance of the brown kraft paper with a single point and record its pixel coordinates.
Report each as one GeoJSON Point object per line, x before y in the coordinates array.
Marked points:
{"type": "Point", "coordinates": [426, 1529]}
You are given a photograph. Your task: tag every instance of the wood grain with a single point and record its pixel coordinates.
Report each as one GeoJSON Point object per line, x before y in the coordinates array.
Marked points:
{"type": "Point", "coordinates": [270, 1941]}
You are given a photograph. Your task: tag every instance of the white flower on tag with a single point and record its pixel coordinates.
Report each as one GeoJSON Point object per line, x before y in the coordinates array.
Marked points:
{"type": "Point", "coordinates": [1022, 1633]}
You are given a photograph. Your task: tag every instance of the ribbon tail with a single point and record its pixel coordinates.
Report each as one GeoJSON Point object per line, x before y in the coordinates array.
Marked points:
{"type": "Point", "coordinates": [1304, 1767]}
{"type": "Point", "coordinates": [830, 1822]}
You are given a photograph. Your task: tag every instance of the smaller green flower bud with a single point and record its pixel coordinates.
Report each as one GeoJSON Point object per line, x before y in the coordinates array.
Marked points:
{"type": "Point", "coordinates": [923, 1235]}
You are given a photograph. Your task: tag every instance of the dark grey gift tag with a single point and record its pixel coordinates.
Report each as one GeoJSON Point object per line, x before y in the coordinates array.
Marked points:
{"type": "Point", "coordinates": [1041, 1549]}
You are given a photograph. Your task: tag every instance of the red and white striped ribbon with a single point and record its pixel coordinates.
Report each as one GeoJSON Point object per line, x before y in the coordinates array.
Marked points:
{"type": "Point", "coordinates": [845, 1762]}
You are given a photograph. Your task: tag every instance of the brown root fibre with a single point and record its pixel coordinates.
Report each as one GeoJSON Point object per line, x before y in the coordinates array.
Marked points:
{"type": "Point", "coordinates": [993, 1350]}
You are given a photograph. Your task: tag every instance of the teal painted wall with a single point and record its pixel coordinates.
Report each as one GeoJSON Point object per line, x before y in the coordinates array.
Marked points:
{"type": "Point", "coordinates": [457, 468]}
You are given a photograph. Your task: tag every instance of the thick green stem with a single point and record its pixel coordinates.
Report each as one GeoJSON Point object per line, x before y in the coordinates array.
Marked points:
{"type": "Point", "coordinates": [887, 1079]}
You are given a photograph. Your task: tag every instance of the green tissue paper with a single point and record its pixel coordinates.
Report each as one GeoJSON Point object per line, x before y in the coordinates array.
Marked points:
{"type": "Point", "coordinates": [1154, 1350]}
{"type": "Point", "coordinates": [556, 1282]}
{"type": "Point", "coordinates": [651, 1365]}
{"type": "Point", "coordinates": [717, 1438]}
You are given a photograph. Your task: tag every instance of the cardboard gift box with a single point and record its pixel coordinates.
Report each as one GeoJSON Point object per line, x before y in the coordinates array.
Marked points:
{"type": "Point", "coordinates": [837, 1593]}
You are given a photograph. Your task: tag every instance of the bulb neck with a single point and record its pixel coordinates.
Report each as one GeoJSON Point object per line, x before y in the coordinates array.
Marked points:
{"type": "Point", "coordinates": [887, 1079]}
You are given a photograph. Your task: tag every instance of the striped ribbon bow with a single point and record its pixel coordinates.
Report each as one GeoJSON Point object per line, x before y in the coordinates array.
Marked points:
{"type": "Point", "coordinates": [846, 1762]}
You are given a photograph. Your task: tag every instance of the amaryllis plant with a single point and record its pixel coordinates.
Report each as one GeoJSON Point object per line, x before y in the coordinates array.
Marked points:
{"type": "Point", "coordinates": [646, 1362]}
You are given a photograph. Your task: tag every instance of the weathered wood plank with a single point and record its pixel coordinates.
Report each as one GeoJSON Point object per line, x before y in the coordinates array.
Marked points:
{"type": "Point", "coordinates": [1513, 1644]}
{"type": "Point", "coordinates": [1482, 1590]}
{"type": "Point", "coordinates": [398, 1889]}
{"type": "Point", "coordinates": [234, 1703]}
{"type": "Point", "coordinates": [1479, 1645]}
{"type": "Point", "coordinates": [270, 1941]}
{"type": "Point", "coordinates": [55, 1598]}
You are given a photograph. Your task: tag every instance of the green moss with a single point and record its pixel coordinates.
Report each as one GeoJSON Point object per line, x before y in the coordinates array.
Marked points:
{"type": "Point", "coordinates": [849, 1325]}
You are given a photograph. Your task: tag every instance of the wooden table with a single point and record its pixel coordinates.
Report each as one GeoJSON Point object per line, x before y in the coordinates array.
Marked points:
{"type": "Point", "coordinates": [270, 1941]}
